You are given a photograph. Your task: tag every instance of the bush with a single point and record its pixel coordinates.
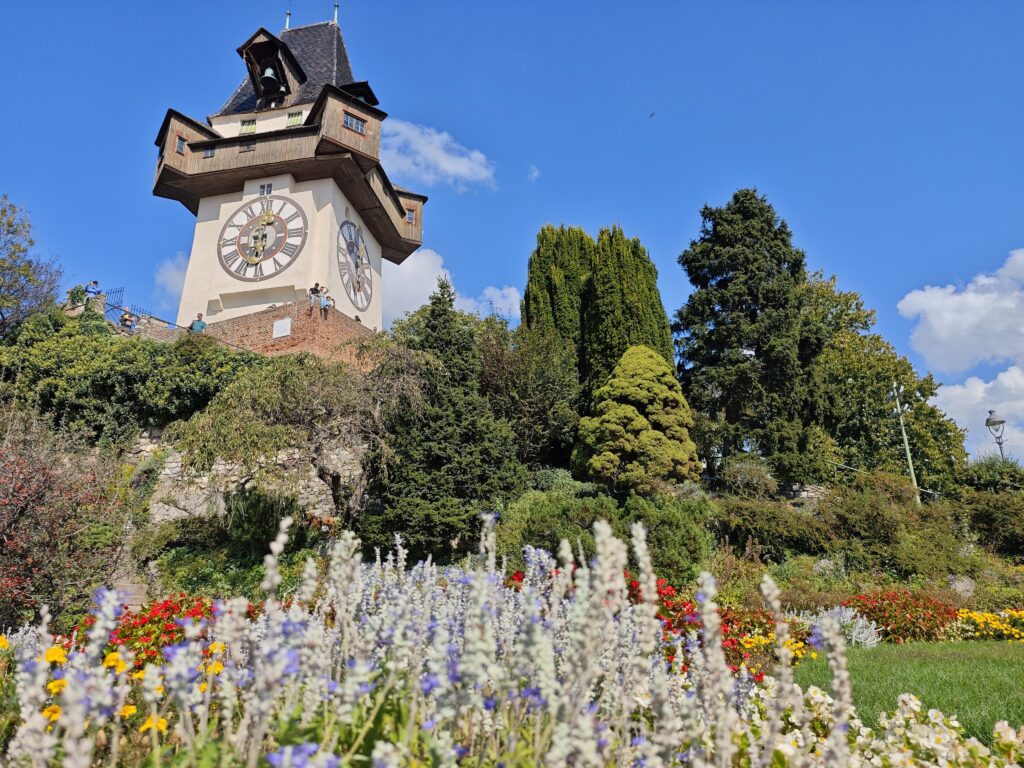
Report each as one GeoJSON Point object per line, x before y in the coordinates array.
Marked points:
{"type": "Point", "coordinates": [778, 529]}
{"type": "Point", "coordinates": [994, 474]}
{"type": "Point", "coordinates": [903, 616]}
{"type": "Point", "coordinates": [543, 518]}
{"type": "Point", "coordinates": [998, 519]}
{"type": "Point", "coordinates": [676, 534]}
{"type": "Point", "coordinates": [749, 477]}
{"type": "Point", "coordinates": [443, 529]}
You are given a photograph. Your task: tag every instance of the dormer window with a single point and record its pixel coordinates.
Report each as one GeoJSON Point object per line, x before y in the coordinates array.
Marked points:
{"type": "Point", "coordinates": [354, 123]}
{"type": "Point", "coordinates": [294, 118]}
{"type": "Point", "coordinates": [248, 126]}
{"type": "Point", "coordinates": [179, 145]}
{"type": "Point", "coordinates": [410, 215]}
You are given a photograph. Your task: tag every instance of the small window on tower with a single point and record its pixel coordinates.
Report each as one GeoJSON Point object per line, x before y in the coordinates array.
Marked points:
{"type": "Point", "coordinates": [410, 215]}
{"type": "Point", "coordinates": [266, 189]}
{"type": "Point", "coordinates": [248, 126]}
{"type": "Point", "coordinates": [355, 123]}
{"type": "Point", "coordinates": [294, 118]}
{"type": "Point", "coordinates": [247, 147]}
{"type": "Point", "coordinates": [208, 151]}
{"type": "Point", "coordinates": [179, 145]}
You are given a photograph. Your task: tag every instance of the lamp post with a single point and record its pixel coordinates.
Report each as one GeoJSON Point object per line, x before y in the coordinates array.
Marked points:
{"type": "Point", "coordinates": [996, 425]}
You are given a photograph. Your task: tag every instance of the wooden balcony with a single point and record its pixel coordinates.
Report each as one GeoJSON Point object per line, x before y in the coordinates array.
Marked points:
{"type": "Point", "coordinates": [194, 163]}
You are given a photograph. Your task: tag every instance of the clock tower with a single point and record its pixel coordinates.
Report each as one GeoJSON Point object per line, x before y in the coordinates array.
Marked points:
{"type": "Point", "coordinates": [287, 188]}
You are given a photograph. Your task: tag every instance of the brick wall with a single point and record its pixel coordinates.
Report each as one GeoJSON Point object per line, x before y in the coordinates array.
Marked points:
{"type": "Point", "coordinates": [310, 332]}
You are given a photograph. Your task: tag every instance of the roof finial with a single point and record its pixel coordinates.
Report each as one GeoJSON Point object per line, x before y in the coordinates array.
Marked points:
{"type": "Point", "coordinates": [335, 12]}
{"type": "Point", "coordinates": [288, 15]}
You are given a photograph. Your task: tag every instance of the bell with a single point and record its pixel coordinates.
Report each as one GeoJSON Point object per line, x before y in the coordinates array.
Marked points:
{"type": "Point", "coordinates": [269, 82]}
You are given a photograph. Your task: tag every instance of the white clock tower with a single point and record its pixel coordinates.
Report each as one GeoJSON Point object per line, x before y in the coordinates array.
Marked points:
{"type": "Point", "coordinates": [286, 185]}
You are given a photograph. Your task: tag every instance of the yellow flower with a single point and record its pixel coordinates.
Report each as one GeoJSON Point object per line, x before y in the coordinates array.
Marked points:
{"type": "Point", "coordinates": [56, 686]}
{"type": "Point", "coordinates": [159, 690]}
{"type": "Point", "coordinates": [128, 710]}
{"type": "Point", "coordinates": [202, 687]}
{"type": "Point", "coordinates": [114, 661]}
{"type": "Point", "coordinates": [51, 713]}
{"type": "Point", "coordinates": [217, 647]}
{"type": "Point", "coordinates": [216, 667]}
{"type": "Point", "coordinates": [160, 723]}
{"type": "Point", "coordinates": [138, 675]}
{"type": "Point", "coordinates": [55, 655]}
{"type": "Point", "coordinates": [4, 643]}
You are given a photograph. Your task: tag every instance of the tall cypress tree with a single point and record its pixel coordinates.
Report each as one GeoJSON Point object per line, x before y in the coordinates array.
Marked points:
{"type": "Point", "coordinates": [558, 271]}
{"type": "Point", "coordinates": [739, 332]}
{"type": "Point", "coordinates": [621, 308]}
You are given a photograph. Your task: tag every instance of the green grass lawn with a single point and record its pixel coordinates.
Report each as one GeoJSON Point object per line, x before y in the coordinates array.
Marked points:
{"type": "Point", "coordinates": [980, 682]}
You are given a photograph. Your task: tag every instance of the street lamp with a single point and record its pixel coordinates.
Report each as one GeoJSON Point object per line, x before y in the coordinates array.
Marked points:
{"type": "Point", "coordinates": [996, 425]}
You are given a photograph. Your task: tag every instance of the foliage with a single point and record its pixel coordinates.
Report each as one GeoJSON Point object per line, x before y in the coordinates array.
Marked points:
{"type": "Point", "coordinates": [853, 385]}
{"type": "Point", "coordinates": [63, 511]}
{"type": "Point", "coordinates": [542, 519]}
{"type": "Point", "coordinates": [877, 525]}
{"type": "Point", "coordinates": [978, 681]}
{"type": "Point", "coordinates": [739, 333]}
{"type": "Point", "coordinates": [998, 520]}
{"type": "Point", "coordinates": [749, 476]}
{"type": "Point", "coordinates": [28, 283]}
{"type": "Point", "coordinates": [904, 616]}
{"type": "Point", "coordinates": [677, 532]}
{"type": "Point", "coordinates": [994, 473]}
{"type": "Point", "coordinates": [777, 529]}
{"type": "Point", "coordinates": [453, 457]}
{"type": "Point", "coordinates": [529, 378]}
{"type": "Point", "coordinates": [638, 439]}
{"type": "Point", "coordinates": [557, 274]}
{"type": "Point", "coordinates": [621, 308]}
{"type": "Point", "coordinates": [85, 378]}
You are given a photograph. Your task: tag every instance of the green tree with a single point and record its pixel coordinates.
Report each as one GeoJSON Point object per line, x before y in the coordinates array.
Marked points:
{"type": "Point", "coordinates": [28, 283]}
{"type": "Point", "coordinates": [86, 378]}
{"type": "Point", "coordinates": [853, 380]}
{"type": "Point", "coordinates": [739, 333]}
{"type": "Point", "coordinates": [452, 457]}
{"type": "Point", "coordinates": [621, 308]}
{"type": "Point", "coordinates": [529, 377]}
{"type": "Point", "coordinates": [638, 438]}
{"type": "Point", "coordinates": [557, 275]}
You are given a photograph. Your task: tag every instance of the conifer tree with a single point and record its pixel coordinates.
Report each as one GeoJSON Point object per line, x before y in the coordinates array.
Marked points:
{"type": "Point", "coordinates": [739, 332]}
{"type": "Point", "coordinates": [621, 308]}
{"type": "Point", "coordinates": [452, 457]}
{"type": "Point", "coordinates": [639, 437]}
{"type": "Point", "coordinates": [557, 274]}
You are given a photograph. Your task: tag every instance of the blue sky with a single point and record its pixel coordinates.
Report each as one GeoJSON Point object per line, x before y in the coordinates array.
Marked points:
{"type": "Point", "coordinates": [888, 135]}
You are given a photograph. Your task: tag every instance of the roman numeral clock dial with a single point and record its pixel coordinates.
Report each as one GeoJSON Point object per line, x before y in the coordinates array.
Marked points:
{"type": "Point", "coordinates": [262, 238]}
{"type": "Point", "coordinates": [354, 265]}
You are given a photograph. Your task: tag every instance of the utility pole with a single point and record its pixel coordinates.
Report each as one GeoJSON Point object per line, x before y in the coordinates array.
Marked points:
{"type": "Point", "coordinates": [906, 444]}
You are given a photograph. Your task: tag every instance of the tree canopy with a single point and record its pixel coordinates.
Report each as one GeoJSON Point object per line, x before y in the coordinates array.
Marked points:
{"type": "Point", "coordinates": [28, 283]}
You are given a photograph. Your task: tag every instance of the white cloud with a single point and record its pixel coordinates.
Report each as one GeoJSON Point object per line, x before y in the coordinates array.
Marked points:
{"type": "Point", "coordinates": [418, 153]}
{"type": "Point", "coordinates": [408, 287]}
{"type": "Point", "coordinates": [502, 301]}
{"type": "Point", "coordinates": [957, 328]}
{"type": "Point", "coordinates": [968, 403]}
{"type": "Point", "coordinates": [533, 173]}
{"type": "Point", "coordinates": [170, 279]}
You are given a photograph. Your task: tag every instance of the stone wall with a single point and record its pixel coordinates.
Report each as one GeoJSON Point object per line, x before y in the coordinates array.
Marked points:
{"type": "Point", "coordinates": [320, 482]}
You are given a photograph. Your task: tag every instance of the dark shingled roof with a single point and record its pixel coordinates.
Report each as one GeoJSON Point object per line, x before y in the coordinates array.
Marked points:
{"type": "Point", "coordinates": [319, 50]}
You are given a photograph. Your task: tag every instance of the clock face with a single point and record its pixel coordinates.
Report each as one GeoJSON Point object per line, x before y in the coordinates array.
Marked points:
{"type": "Point", "coordinates": [262, 238]}
{"type": "Point", "coordinates": [354, 265]}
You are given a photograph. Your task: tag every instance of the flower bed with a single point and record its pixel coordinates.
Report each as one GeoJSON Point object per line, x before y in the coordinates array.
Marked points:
{"type": "Point", "coordinates": [379, 665]}
{"type": "Point", "coordinates": [903, 616]}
